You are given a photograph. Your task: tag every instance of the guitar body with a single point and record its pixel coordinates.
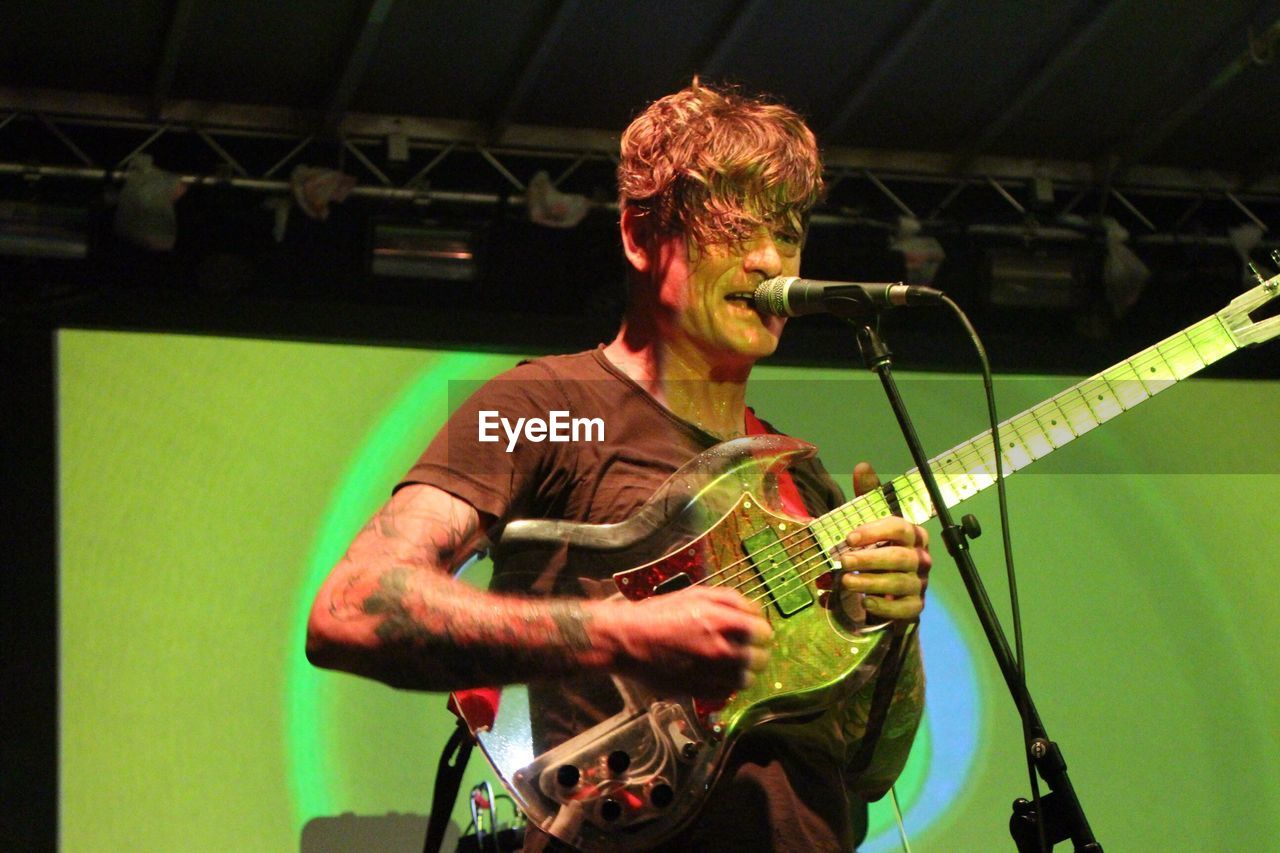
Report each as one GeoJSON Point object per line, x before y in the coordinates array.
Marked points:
{"type": "Point", "coordinates": [634, 778]}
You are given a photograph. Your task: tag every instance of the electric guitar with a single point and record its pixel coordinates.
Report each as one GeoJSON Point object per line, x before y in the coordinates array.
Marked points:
{"type": "Point", "coordinates": [632, 780]}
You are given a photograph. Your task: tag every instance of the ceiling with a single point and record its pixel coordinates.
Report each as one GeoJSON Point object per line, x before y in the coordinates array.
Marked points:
{"type": "Point", "coordinates": [1093, 90]}
{"type": "Point", "coordinates": [1035, 118]}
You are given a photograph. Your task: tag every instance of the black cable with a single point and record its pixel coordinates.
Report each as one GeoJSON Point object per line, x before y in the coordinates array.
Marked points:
{"type": "Point", "coordinates": [516, 815]}
{"type": "Point", "coordinates": [1015, 609]}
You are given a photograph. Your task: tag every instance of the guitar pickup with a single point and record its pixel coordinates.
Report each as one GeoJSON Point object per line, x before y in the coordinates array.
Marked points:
{"type": "Point", "coordinates": [773, 563]}
{"type": "Point", "coordinates": [673, 583]}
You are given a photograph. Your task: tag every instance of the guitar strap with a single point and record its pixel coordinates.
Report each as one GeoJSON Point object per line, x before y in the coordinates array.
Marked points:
{"type": "Point", "coordinates": [453, 762]}
{"type": "Point", "coordinates": [882, 698]}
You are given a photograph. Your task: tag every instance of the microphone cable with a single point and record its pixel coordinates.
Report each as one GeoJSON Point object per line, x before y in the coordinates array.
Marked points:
{"type": "Point", "coordinates": [1012, 580]}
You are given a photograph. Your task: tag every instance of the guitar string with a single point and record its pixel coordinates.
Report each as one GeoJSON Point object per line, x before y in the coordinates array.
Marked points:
{"type": "Point", "coordinates": [1064, 402]}
{"type": "Point", "coordinates": [1067, 406]}
{"type": "Point", "coordinates": [1075, 401]}
{"type": "Point", "coordinates": [810, 544]}
{"type": "Point", "coordinates": [1172, 348]}
{"type": "Point", "coordinates": [784, 542]}
{"type": "Point", "coordinates": [852, 511]}
{"type": "Point", "coordinates": [802, 576]}
{"type": "Point", "coordinates": [907, 489]}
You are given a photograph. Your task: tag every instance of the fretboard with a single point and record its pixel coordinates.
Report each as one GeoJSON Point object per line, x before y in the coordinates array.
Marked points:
{"type": "Point", "coordinates": [970, 467]}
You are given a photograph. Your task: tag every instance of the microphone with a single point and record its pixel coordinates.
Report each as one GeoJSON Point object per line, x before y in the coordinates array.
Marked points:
{"type": "Point", "coordinates": [788, 296]}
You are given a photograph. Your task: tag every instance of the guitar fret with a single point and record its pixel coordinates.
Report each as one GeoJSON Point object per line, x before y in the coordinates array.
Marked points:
{"type": "Point", "coordinates": [1079, 415]}
{"type": "Point", "coordinates": [1058, 431]}
{"type": "Point", "coordinates": [912, 497]}
{"type": "Point", "coordinates": [1015, 452]}
{"type": "Point", "coordinates": [1101, 399]}
{"type": "Point", "coordinates": [1031, 434]}
{"type": "Point", "coordinates": [1211, 340]}
{"type": "Point", "coordinates": [1127, 385]}
{"type": "Point", "coordinates": [951, 495]}
{"type": "Point", "coordinates": [1180, 354]}
{"type": "Point", "coordinates": [956, 475]}
{"type": "Point", "coordinates": [1152, 371]}
{"type": "Point", "coordinates": [979, 467]}
{"type": "Point", "coordinates": [949, 475]}
{"type": "Point", "coordinates": [877, 507]}
{"type": "Point", "coordinates": [982, 465]}
{"type": "Point", "coordinates": [825, 528]}
{"type": "Point", "coordinates": [1167, 366]}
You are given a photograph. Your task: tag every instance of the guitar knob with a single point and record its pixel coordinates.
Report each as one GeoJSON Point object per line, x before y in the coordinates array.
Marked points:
{"type": "Point", "coordinates": [611, 810]}
{"type": "Point", "coordinates": [567, 775]}
{"type": "Point", "coordinates": [661, 795]}
{"type": "Point", "coordinates": [619, 761]}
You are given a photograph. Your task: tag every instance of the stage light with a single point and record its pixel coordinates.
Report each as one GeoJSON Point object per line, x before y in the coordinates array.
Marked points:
{"type": "Point", "coordinates": [922, 255]}
{"type": "Point", "coordinates": [314, 189]}
{"type": "Point", "coordinates": [1124, 275]}
{"type": "Point", "coordinates": [1036, 276]}
{"type": "Point", "coordinates": [43, 231]}
{"type": "Point", "coordinates": [548, 206]}
{"type": "Point", "coordinates": [424, 252]}
{"type": "Point", "coordinates": [1244, 238]}
{"type": "Point", "coordinates": [144, 213]}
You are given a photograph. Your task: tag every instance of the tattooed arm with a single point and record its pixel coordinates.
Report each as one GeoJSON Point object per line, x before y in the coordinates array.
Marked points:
{"type": "Point", "coordinates": [392, 611]}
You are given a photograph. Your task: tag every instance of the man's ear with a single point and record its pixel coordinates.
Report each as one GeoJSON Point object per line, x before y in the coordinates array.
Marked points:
{"type": "Point", "coordinates": [637, 243]}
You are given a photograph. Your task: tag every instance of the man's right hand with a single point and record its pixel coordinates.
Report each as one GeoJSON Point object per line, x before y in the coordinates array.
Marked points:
{"type": "Point", "coordinates": [702, 641]}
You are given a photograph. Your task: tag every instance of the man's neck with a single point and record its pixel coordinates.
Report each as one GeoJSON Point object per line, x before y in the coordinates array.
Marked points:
{"type": "Point", "coordinates": [708, 393]}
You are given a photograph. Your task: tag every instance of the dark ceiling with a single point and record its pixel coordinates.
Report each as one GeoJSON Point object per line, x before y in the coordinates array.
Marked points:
{"type": "Point", "coordinates": [1190, 84]}
{"type": "Point", "coordinates": [1023, 121]}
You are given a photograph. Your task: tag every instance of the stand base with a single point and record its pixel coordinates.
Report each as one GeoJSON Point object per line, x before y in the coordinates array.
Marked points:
{"type": "Point", "coordinates": [1022, 826]}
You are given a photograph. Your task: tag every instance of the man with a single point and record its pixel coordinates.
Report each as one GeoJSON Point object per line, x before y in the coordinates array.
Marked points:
{"type": "Point", "coordinates": [715, 194]}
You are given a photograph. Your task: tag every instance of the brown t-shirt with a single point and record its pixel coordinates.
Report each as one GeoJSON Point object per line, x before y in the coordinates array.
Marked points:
{"type": "Point", "coordinates": [782, 788]}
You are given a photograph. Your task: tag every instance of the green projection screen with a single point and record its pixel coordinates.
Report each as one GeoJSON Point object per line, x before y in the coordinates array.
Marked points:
{"type": "Point", "coordinates": [207, 485]}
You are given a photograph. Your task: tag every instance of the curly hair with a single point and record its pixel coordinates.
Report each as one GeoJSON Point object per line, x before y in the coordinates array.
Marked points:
{"type": "Point", "coordinates": [718, 165]}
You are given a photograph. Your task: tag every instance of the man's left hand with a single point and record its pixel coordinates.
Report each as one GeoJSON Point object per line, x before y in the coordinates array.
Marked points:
{"type": "Point", "coordinates": [887, 560]}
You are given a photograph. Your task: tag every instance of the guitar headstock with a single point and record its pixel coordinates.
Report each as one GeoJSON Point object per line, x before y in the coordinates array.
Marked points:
{"type": "Point", "coordinates": [1244, 330]}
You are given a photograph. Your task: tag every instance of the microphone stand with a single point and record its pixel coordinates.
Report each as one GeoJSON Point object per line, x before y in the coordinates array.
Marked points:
{"type": "Point", "coordinates": [1063, 816]}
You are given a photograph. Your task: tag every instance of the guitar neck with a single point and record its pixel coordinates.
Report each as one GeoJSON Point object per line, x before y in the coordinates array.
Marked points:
{"type": "Point", "coordinates": [970, 467]}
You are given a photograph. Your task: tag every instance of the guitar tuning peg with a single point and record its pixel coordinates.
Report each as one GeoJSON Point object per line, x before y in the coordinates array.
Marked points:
{"type": "Point", "coordinates": [1275, 257]}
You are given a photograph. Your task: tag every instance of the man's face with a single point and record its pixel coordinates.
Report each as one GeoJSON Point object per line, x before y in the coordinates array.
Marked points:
{"type": "Point", "coordinates": [699, 286]}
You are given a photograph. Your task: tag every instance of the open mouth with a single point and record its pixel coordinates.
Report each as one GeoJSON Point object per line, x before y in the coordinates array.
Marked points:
{"type": "Point", "coordinates": [748, 298]}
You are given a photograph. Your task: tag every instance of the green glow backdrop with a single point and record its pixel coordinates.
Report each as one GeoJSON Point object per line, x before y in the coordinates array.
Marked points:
{"type": "Point", "coordinates": [206, 485]}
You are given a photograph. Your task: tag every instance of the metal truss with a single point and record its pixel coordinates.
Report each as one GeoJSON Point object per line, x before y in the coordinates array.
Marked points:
{"type": "Point", "coordinates": [49, 134]}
